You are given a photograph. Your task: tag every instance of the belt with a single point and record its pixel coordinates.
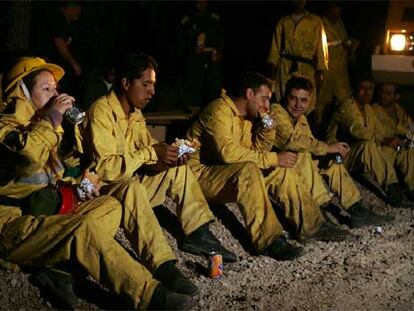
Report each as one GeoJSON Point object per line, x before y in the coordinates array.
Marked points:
{"type": "Point", "coordinates": [295, 59]}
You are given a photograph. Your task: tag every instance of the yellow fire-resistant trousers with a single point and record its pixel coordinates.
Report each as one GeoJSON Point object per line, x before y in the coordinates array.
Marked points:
{"type": "Point", "coordinates": [242, 183]}
{"type": "Point", "coordinates": [140, 224]}
{"type": "Point", "coordinates": [335, 83]}
{"type": "Point", "coordinates": [182, 186]}
{"type": "Point", "coordinates": [139, 194]}
{"type": "Point", "coordinates": [319, 179]}
{"type": "Point", "coordinates": [86, 238]}
{"type": "Point", "coordinates": [367, 158]}
{"type": "Point", "coordinates": [299, 209]}
{"type": "Point", "coordinates": [403, 162]}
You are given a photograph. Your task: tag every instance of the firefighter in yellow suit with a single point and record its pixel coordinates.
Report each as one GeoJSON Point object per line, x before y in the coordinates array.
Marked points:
{"type": "Point", "coordinates": [294, 134]}
{"type": "Point", "coordinates": [30, 126]}
{"type": "Point", "coordinates": [356, 123]}
{"type": "Point", "coordinates": [335, 81]}
{"type": "Point", "coordinates": [398, 127]}
{"type": "Point", "coordinates": [298, 47]}
{"type": "Point", "coordinates": [140, 172]}
{"type": "Point", "coordinates": [231, 166]}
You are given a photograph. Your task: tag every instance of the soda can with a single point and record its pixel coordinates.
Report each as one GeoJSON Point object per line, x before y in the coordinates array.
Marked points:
{"type": "Point", "coordinates": [338, 159]}
{"type": "Point", "coordinates": [74, 115]}
{"type": "Point", "coordinates": [215, 265]}
{"type": "Point", "coordinates": [267, 121]}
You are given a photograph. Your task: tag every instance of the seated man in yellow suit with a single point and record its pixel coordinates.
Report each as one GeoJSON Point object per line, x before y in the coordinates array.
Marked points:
{"type": "Point", "coordinates": [232, 167]}
{"type": "Point", "coordinates": [294, 134]}
{"type": "Point", "coordinates": [355, 122]}
{"type": "Point", "coordinates": [398, 131]}
{"type": "Point", "coordinates": [140, 172]}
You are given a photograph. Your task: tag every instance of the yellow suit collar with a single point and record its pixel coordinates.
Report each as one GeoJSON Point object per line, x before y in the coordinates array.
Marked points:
{"type": "Point", "coordinates": [231, 103]}
{"type": "Point", "coordinates": [119, 113]}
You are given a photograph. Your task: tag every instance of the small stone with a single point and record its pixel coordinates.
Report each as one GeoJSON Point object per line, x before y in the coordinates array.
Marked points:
{"type": "Point", "coordinates": [14, 282]}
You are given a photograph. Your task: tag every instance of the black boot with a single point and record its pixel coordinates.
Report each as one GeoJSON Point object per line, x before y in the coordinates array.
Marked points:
{"type": "Point", "coordinates": [395, 195]}
{"type": "Point", "coordinates": [163, 299]}
{"type": "Point", "coordinates": [328, 232]}
{"type": "Point", "coordinates": [410, 195]}
{"type": "Point", "coordinates": [174, 280]}
{"type": "Point", "coordinates": [202, 242]}
{"type": "Point", "coordinates": [281, 249]}
{"type": "Point", "coordinates": [361, 216]}
{"type": "Point", "coordinates": [59, 285]}
{"type": "Point", "coordinates": [337, 212]}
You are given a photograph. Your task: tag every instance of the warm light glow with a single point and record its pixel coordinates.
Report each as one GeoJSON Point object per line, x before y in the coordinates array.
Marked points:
{"type": "Point", "coordinates": [397, 42]}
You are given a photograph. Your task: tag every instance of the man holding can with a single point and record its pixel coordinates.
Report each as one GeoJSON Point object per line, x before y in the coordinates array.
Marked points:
{"type": "Point", "coordinates": [317, 160]}
{"type": "Point", "coordinates": [397, 143]}
{"type": "Point", "coordinates": [232, 166]}
{"type": "Point", "coordinates": [356, 122]}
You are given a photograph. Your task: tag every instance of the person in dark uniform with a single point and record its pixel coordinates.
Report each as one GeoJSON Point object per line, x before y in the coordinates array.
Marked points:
{"type": "Point", "coordinates": [55, 41]}
{"type": "Point", "coordinates": [200, 43]}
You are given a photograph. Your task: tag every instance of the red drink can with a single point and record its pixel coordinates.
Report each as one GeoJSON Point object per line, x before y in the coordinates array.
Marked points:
{"type": "Point", "coordinates": [215, 265]}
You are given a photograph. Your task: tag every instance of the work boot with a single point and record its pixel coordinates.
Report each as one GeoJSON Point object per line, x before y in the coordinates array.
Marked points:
{"type": "Point", "coordinates": [395, 195]}
{"type": "Point", "coordinates": [281, 249]}
{"type": "Point", "coordinates": [202, 242]}
{"type": "Point", "coordinates": [59, 284]}
{"type": "Point", "coordinates": [361, 216]}
{"type": "Point", "coordinates": [174, 280]}
{"type": "Point", "coordinates": [336, 212]}
{"type": "Point", "coordinates": [410, 195]}
{"type": "Point", "coordinates": [164, 299]}
{"type": "Point", "coordinates": [328, 232]}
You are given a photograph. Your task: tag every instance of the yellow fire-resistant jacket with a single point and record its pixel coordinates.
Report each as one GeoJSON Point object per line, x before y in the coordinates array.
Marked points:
{"type": "Point", "coordinates": [306, 39]}
{"type": "Point", "coordinates": [396, 125]}
{"type": "Point", "coordinates": [118, 145]}
{"type": "Point", "coordinates": [291, 136]}
{"type": "Point", "coordinates": [227, 138]}
{"type": "Point", "coordinates": [354, 122]}
{"type": "Point", "coordinates": [36, 139]}
{"type": "Point", "coordinates": [336, 35]}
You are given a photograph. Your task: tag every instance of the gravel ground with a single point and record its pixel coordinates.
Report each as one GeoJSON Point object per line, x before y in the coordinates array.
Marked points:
{"type": "Point", "coordinates": [372, 272]}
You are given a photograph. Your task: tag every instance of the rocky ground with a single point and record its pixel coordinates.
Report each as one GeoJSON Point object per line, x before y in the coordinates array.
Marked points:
{"type": "Point", "coordinates": [375, 271]}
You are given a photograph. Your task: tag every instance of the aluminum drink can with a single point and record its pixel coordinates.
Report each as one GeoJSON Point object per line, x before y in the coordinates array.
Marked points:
{"type": "Point", "coordinates": [338, 159]}
{"type": "Point", "coordinates": [215, 265]}
{"type": "Point", "coordinates": [74, 115]}
{"type": "Point", "coordinates": [267, 121]}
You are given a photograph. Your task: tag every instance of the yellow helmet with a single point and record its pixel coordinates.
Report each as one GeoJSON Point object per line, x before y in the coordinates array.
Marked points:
{"type": "Point", "coordinates": [25, 66]}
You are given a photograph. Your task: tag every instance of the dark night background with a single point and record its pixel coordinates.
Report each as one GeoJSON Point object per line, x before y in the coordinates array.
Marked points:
{"type": "Point", "coordinates": [108, 27]}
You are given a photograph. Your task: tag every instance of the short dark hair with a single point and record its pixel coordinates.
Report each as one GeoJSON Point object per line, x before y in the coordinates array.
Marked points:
{"type": "Point", "coordinates": [360, 77]}
{"type": "Point", "coordinates": [29, 80]}
{"type": "Point", "coordinates": [250, 80]}
{"type": "Point", "coordinates": [131, 66]}
{"type": "Point", "coordinates": [299, 83]}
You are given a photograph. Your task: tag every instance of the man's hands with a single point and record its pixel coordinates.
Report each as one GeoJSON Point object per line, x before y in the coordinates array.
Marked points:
{"type": "Point", "coordinates": [168, 155]}
{"type": "Point", "coordinates": [287, 159]}
{"type": "Point", "coordinates": [340, 147]}
{"type": "Point", "coordinates": [89, 186]}
{"type": "Point", "coordinates": [392, 142]}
